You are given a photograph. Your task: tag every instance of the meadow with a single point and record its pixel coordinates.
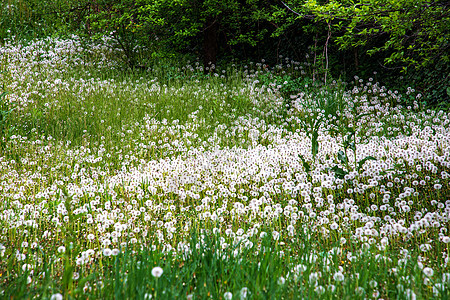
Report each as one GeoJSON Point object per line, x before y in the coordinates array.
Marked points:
{"type": "Point", "coordinates": [249, 182]}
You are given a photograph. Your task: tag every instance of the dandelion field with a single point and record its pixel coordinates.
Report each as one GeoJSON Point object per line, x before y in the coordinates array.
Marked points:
{"type": "Point", "coordinates": [172, 184]}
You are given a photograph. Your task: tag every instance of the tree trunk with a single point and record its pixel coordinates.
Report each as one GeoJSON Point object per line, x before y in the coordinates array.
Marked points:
{"type": "Point", "coordinates": [210, 43]}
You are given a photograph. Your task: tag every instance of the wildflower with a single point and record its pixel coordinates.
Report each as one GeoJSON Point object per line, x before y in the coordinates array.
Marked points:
{"type": "Point", "coordinates": [428, 271]}
{"type": "Point", "coordinates": [157, 272]}
{"type": "Point", "coordinates": [281, 280]}
{"type": "Point", "coordinates": [244, 293]}
{"type": "Point", "coordinates": [410, 295]}
{"type": "Point", "coordinates": [107, 252]}
{"type": "Point", "coordinates": [275, 235]}
{"type": "Point", "coordinates": [61, 249]}
{"type": "Point", "coordinates": [319, 289]}
{"type": "Point", "coordinates": [26, 267]}
{"type": "Point", "coordinates": [360, 291]}
{"type": "Point", "coordinates": [227, 295]}
{"type": "Point", "coordinates": [313, 277]}
{"type": "Point", "coordinates": [425, 247]}
{"type": "Point", "coordinates": [56, 296]}
{"type": "Point", "coordinates": [338, 276]}
{"type": "Point", "coordinates": [437, 288]}
{"type": "Point", "coordinates": [148, 296]}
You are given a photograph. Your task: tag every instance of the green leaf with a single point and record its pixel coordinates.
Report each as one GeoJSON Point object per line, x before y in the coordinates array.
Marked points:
{"type": "Point", "coordinates": [340, 173]}
{"type": "Point", "coordinates": [363, 161]}
{"type": "Point", "coordinates": [68, 276]}
{"type": "Point", "coordinates": [315, 143]}
{"type": "Point", "coordinates": [82, 282]}
{"type": "Point", "coordinates": [342, 157]}
{"type": "Point", "coordinates": [305, 164]}
{"type": "Point", "coordinates": [352, 146]}
{"type": "Point", "coordinates": [382, 173]}
{"type": "Point", "coordinates": [360, 116]}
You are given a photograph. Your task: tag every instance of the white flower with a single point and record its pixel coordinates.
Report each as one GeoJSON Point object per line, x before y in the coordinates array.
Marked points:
{"type": "Point", "coordinates": [61, 249]}
{"type": "Point", "coordinates": [319, 289]}
{"type": "Point", "coordinates": [26, 267]}
{"type": "Point", "coordinates": [107, 252]}
{"type": "Point", "coordinates": [227, 296]}
{"type": "Point", "coordinates": [410, 295]}
{"type": "Point", "coordinates": [428, 271]}
{"type": "Point", "coordinates": [275, 235]}
{"type": "Point", "coordinates": [244, 293]}
{"type": "Point", "coordinates": [437, 288]}
{"type": "Point", "coordinates": [338, 276]}
{"type": "Point", "coordinates": [281, 280]}
{"type": "Point", "coordinates": [314, 277]}
{"type": "Point", "coordinates": [360, 291]}
{"type": "Point", "coordinates": [56, 296]}
{"type": "Point", "coordinates": [148, 296]}
{"type": "Point", "coordinates": [157, 272]}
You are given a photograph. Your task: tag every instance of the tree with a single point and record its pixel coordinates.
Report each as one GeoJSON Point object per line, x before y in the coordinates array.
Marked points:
{"type": "Point", "coordinates": [411, 33]}
{"type": "Point", "coordinates": [206, 26]}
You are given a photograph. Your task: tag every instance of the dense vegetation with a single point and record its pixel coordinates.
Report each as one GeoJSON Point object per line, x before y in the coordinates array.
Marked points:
{"type": "Point", "coordinates": [405, 41]}
{"type": "Point", "coordinates": [176, 149]}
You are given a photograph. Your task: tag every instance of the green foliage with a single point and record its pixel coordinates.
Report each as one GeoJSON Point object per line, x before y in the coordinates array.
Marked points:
{"type": "Point", "coordinates": [183, 26]}
{"type": "Point", "coordinates": [412, 33]}
{"type": "Point", "coordinates": [27, 19]}
{"type": "Point", "coordinates": [349, 144]}
{"type": "Point", "coordinates": [411, 36]}
{"type": "Point", "coordinates": [6, 127]}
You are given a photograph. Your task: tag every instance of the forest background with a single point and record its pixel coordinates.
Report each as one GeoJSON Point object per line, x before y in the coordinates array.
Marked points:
{"type": "Point", "coordinates": [402, 43]}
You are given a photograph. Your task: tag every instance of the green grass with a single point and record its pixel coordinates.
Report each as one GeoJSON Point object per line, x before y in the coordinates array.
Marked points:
{"type": "Point", "coordinates": [106, 174]}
